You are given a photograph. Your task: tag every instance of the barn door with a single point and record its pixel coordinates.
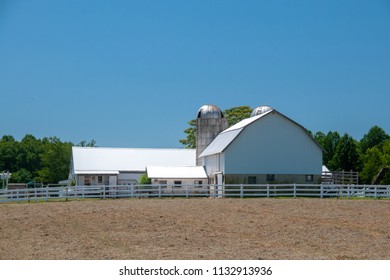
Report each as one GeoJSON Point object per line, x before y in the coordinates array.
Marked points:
{"type": "Point", "coordinates": [112, 181]}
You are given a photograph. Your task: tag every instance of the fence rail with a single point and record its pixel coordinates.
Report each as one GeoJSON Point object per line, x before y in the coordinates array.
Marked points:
{"type": "Point", "coordinates": [239, 191]}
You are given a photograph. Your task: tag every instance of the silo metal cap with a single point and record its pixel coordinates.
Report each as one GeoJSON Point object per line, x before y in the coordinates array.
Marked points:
{"type": "Point", "coordinates": [209, 112]}
{"type": "Point", "coordinates": [261, 110]}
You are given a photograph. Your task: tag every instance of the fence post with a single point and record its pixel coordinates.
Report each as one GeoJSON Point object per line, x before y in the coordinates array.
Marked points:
{"type": "Point", "coordinates": [187, 191]}
{"type": "Point", "coordinates": [47, 193]}
{"type": "Point", "coordinates": [295, 190]}
{"type": "Point", "coordinates": [267, 190]}
{"type": "Point", "coordinates": [376, 191]}
{"type": "Point", "coordinates": [241, 191]}
{"type": "Point", "coordinates": [159, 191]}
{"type": "Point", "coordinates": [349, 191]}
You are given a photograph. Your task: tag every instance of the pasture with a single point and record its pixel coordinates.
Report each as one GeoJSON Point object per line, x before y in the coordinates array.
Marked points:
{"type": "Point", "coordinates": [196, 228]}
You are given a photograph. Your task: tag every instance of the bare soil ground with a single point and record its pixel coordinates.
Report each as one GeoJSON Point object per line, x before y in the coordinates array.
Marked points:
{"type": "Point", "coordinates": [196, 229]}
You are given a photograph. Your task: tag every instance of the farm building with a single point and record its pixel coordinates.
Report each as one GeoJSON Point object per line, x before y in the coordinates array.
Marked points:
{"type": "Point", "coordinates": [122, 166]}
{"type": "Point", "coordinates": [175, 179]}
{"type": "Point", "coordinates": [267, 147]}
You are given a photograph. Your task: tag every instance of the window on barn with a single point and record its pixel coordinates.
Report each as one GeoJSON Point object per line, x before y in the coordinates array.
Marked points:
{"type": "Point", "coordinates": [198, 183]}
{"type": "Point", "coordinates": [270, 177]}
{"type": "Point", "coordinates": [87, 180]}
{"type": "Point", "coordinates": [252, 180]}
{"type": "Point", "coordinates": [309, 178]}
{"type": "Point", "coordinates": [177, 184]}
{"type": "Point", "coordinates": [164, 183]}
{"type": "Point", "coordinates": [100, 179]}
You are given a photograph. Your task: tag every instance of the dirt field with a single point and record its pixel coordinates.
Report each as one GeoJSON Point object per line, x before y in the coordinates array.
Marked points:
{"type": "Point", "coordinates": [196, 229]}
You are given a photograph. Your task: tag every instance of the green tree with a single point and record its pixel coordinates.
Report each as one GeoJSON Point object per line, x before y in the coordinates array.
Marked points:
{"type": "Point", "coordinates": [9, 149]}
{"type": "Point", "coordinates": [233, 116]}
{"type": "Point", "coordinates": [329, 143]}
{"type": "Point", "coordinates": [21, 176]}
{"type": "Point", "coordinates": [346, 156]}
{"type": "Point", "coordinates": [376, 136]}
{"type": "Point", "coordinates": [84, 143]}
{"type": "Point", "coordinates": [145, 180]}
{"type": "Point", "coordinates": [190, 141]}
{"type": "Point", "coordinates": [372, 165]}
{"type": "Point", "coordinates": [374, 160]}
{"type": "Point", "coordinates": [55, 160]}
{"type": "Point", "coordinates": [237, 114]}
{"type": "Point", "coordinates": [29, 155]}
{"type": "Point", "coordinates": [386, 161]}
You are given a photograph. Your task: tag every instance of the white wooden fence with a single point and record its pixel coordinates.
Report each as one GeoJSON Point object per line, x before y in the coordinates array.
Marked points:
{"type": "Point", "coordinates": [239, 191]}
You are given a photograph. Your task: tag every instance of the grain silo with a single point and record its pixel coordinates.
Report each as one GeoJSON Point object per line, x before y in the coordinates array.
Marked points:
{"type": "Point", "coordinates": [209, 123]}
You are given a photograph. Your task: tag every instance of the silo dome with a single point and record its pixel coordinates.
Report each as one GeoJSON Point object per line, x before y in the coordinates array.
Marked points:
{"type": "Point", "coordinates": [261, 110]}
{"type": "Point", "coordinates": [209, 112]}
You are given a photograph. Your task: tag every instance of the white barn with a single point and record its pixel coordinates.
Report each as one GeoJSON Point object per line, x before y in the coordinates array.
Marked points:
{"type": "Point", "coordinates": [268, 147]}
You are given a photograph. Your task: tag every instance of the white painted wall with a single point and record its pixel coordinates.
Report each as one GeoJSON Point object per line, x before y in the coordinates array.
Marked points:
{"type": "Point", "coordinates": [214, 164]}
{"type": "Point", "coordinates": [129, 178]}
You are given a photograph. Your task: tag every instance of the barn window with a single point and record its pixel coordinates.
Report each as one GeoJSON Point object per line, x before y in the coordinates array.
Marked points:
{"type": "Point", "coordinates": [252, 180]}
{"type": "Point", "coordinates": [198, 183]}
{"type": "Point", "coordinates": [163, 183]}
{"type": "Point", "coordinates": [177, 184]}
{"type": "Point", "coordinates": [87, 180]}
{"type": "Point", "coordinates": [100, 179]}
{"type": "Point", "coordinates": [309, 178]}
{"type": "Point", "coordinates": [270, 177]}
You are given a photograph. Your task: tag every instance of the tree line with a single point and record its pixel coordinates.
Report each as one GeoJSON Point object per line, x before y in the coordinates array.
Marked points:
{"type": "Point", "coordinates": [33, 160]}
{"type": "Point", "coordinates": [368, 156]}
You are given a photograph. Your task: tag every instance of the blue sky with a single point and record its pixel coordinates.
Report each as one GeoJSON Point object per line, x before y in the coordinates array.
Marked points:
{"type": "Point", "coordinates": [132, 73]}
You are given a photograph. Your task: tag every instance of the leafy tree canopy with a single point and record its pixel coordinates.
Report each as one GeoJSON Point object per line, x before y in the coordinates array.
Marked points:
{"type": "Point", "coordinates": [145, 180]}
{"type": "Point", "coordinates": [329, 143]}
{"type": "Point", "coordinates": [346, 156]}
{"type": "Point", "coordinates": [237, 114]}
{"type": "Point", "coordinates": [376, 136]}
{"type": "Point", "coordinates": [42, 160]}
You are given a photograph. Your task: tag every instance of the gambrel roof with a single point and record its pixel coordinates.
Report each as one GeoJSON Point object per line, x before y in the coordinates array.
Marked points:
{"type": "Point", "coordinates": [226, 137]}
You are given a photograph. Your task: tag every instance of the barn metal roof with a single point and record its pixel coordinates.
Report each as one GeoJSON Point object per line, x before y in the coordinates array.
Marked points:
{"type": "Point", "coordinates": [223, 140]}
{"type": "Point", "coordinates": [100, 160]}
{"type": "Point", "coordinates": [179, 172]}
{"type": "Point", "coordinates": [220, 143]}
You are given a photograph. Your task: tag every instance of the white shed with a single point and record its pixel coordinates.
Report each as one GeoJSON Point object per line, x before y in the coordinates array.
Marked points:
{"type": "Point", "coordinates": [172, 178]}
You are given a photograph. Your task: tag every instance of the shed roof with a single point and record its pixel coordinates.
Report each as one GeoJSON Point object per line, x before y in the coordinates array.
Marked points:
{"type": "Point", "coordinates": [179, 172]}
{"type": "Point", "coordinates": [109, 160]}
